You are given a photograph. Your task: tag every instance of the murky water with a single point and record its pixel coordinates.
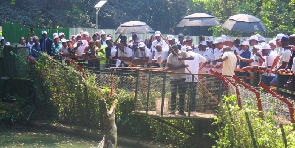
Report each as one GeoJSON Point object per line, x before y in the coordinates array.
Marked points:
{"type": "Point", "coordinates": [32, 137]}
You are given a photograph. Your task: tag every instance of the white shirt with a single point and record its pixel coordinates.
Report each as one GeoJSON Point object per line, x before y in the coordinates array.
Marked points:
{"type": "Point", "coordinates": [209, 57]}
{"type": "Point", "coordinates": [217, 54]}
{"type": "Point", "coordinates": [64, 50]}
{"type": "Point", "coordinates": [269, 61]}
{"type": "Point", "coordinates": [80, 50]}
{"type": "Point", "coordinates": [162, 43]}
{"type": "Point", "coordinates": [143, 54]}
{"type": "Point", "coordinates": [293, 66]}
{"type": "Point", "coordinates": [285, 57]}
{"type": "Point", "coordinates": [164, 54]}
{"type": "Point", "coordinates": [126, 53]}
{"type": "Point", "coordinates": [255, 58]}
{"type": "Point", "coordinates": [193, 65]}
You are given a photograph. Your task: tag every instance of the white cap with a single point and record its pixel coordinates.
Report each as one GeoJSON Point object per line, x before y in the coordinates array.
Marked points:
{"type": "Point", "coordinates": [78, 35]}
{"type": "Point", "coordinates": [189, 48]}
{"type": "Point", "coordinates": [272, 42]}
{"type": "Point", "coordinates": [139, 40]}
{"type": "Point", "coordinates": [210, 39]}
{"type": "Point", "coordinates": [86, 33]}
{"type": "Point", "coordinates": [245, 43]}
{"type": "Point", "coordinates": [130, 38]}
{"type": "Point", "coordinates": [108, 38]}
{"type": "Point", "coordinates": [141, 44]}
{"type": "Point", "coordinates": [1, 38]}
{"type": "Point", "coordinates": [292, 35]}
{"type": "Point", "coordinates": [265, 46]}
{"type": "Point", "coordinates": [43, 32]}
{"type": "Point", "coordinates": [101, 32]}
{"type": "Point", "coordinates": [61, 33]}
{"type": "Point", "coordinates": [188, 38]}
{"type": "Point", "coordinates": [63, 40]}
{"type": "Point", "coordinates": [203, 43]}
{"type": "Point", "coordinates": [157, 33]}
{"type": "Point", "coordinates": [223, 37]}
{"type": "Point", "coordinates": [218, 40]}
{"type": "Point", "coordinates": [229, 39]}
{"type": "Point", "coordinates": [170, 37]}
{"type": "Point", "coordinates": [84, 43]}
{"type": "Point", "coordinates": [7, 43]}
{"type": "Point", "coordinates": [279, 36]}
{"type": "Point", "coordinates": [261, 38]}
{"type": "Point", "coordinates": [55, 35]}
{"type": "Point", "coordinates": [253, 37]}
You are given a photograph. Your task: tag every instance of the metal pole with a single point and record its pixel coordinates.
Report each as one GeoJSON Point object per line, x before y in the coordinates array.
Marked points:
{"type": "Point", "coordinates": [96, 24]}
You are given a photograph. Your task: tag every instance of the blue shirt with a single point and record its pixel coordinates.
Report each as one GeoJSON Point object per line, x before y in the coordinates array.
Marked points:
{"type": "Point", "coordinates": [247, 55]}
{"type": "Point", "coordinates": [55, 48]}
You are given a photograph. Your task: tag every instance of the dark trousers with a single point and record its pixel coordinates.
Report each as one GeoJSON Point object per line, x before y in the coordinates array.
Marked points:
{"type": "Point", "coordinates": [192, 90]}
{"type": "Point", "coordinates": [267, 79]}
{"type": "Point", "coordinates": [179, 86]}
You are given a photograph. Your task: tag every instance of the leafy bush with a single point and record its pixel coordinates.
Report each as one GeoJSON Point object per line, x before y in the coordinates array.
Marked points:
{"type": "Point", "coordinates": [236, 124]}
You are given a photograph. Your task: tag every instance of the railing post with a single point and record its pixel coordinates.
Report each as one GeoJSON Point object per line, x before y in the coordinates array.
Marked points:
{"type": "Point", "coordinates": [136, 90]}
{"type": "Point", "coordinates": [148, 91]}
{"type": "Point", "coordinates": [163, 93]}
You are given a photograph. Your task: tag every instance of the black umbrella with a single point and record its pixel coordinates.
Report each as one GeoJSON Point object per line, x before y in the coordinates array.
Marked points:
{"type": "Point", "coordinates": [198, 19]}
{"type": "Point", "coordinates": [133, 27]}
{"type": "Point", "coordinates": [244, 23]}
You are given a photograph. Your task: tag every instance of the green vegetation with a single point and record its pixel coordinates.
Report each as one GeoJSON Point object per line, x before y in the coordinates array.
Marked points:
{"type": "Point", "coordinates": [236, 125]}
{"type": "Point", "coordinates": [164, 15]}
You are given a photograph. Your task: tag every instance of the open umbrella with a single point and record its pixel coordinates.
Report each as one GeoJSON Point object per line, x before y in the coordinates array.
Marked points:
{"type": "Point", "coordinates": [133, 27]}
{"type": "Point", "coordinates": [244, 23]}
{"type": "Point", "coordinates": [198, 19]}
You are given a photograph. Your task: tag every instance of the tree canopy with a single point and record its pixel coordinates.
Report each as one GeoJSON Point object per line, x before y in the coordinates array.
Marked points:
{"type": "Point", "coordinates": [164, 15]}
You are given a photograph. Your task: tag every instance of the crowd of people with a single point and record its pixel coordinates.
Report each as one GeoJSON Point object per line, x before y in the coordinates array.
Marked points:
{"type": "Point", "coordinates": [222, 54]}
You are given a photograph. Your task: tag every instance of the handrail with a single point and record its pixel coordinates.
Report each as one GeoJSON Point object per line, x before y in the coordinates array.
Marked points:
{"type": "Point", "coordinates": [290, 105]}
{"type": "Point", "coordinates": [237, 91]}
{"type": "Point", "coordinates": [222, 79]}
{"type": "Point", "coordinates": [257, 93]}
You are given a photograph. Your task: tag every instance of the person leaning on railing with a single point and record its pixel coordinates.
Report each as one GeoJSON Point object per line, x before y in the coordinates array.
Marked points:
{"type": "Point", "coordinates": [176, 65]}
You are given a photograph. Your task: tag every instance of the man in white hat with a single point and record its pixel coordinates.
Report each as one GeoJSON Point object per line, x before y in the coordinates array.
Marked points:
{"type": "Point", "coordinates": [273, 45]}
{"type": "Point", "coordinates": [244, 58]}
{"type": "Point", "coordinates": [46, 43]}
{"type": "Point", "coordinates": [269, 56]}
{"type": "Point", "coordinates": [2, 41]}
{"type": "Point", "coordinates": [217, 53]}
{"type": "Point", "coordinates": [189, 42]}
{"type": "Point", "coordinates": [56, 45]}
{"type": "Point", "coordinates": [210, 41]}
{"type": "Point", "coordinates": [143, 54]}
{"type": "Point", "coordinates": [103, 37]}
{"type": "Point", "coordinates": [253, 40]}
{"type": "Point", "coordinates": [230, 43]}
{"type": "Point", "coordinates": [160, 41]}
{"type": "Point", "coordinates": [61, 35]}
{"type": "Point", "coordinates": [161, 55]}
{"type": "Point", "coordinates": [202, 48]}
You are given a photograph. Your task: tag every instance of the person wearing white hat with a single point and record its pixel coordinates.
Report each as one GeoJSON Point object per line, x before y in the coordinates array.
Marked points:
{"type": "Point", "coordinates": [244, 58]}
{"type": "Point", "coordinates": [64, 51]}
{"type": "Point", "coordinates": [273, 45]}
{"type": "Point", "coordinates": [188, 41]}
{"type": "Point", "coordinates": [230, 43]}
{"type": "Point", "coordinates": [124, 55]}
{"type": "Point", "coordinates": [36, 48]}
{"type": "Point", "coordinates": [202, 48]}
{"type": "Point", "coordinates": [268, 64]}
{"type": "Point", "coordinates": [217, 53]}
{"type": "Point", "coordinates": [261, 39]}
{"type": "Point", "coordinates": [160, 57]}
{"type": "Point", "coordinates": [61, 35]}
{"type": "Point", "coordinates": [159, 40]}
{"type": "Point", "coordinates": [143, 54]}
{"type": "Point", "coordinates": [253, 40]}
{"type": "Point", "coordinates": [210, 41]}
{"type": "Point", "coordinates": [2, 41]}
{"type": "Point", "coordinates": [46, 43]}
{"type": "Point", "coordinates": [56, 45]}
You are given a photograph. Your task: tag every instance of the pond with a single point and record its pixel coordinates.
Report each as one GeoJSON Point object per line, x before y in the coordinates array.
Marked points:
{"type": "Point", "coordinates": [27, 137]}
